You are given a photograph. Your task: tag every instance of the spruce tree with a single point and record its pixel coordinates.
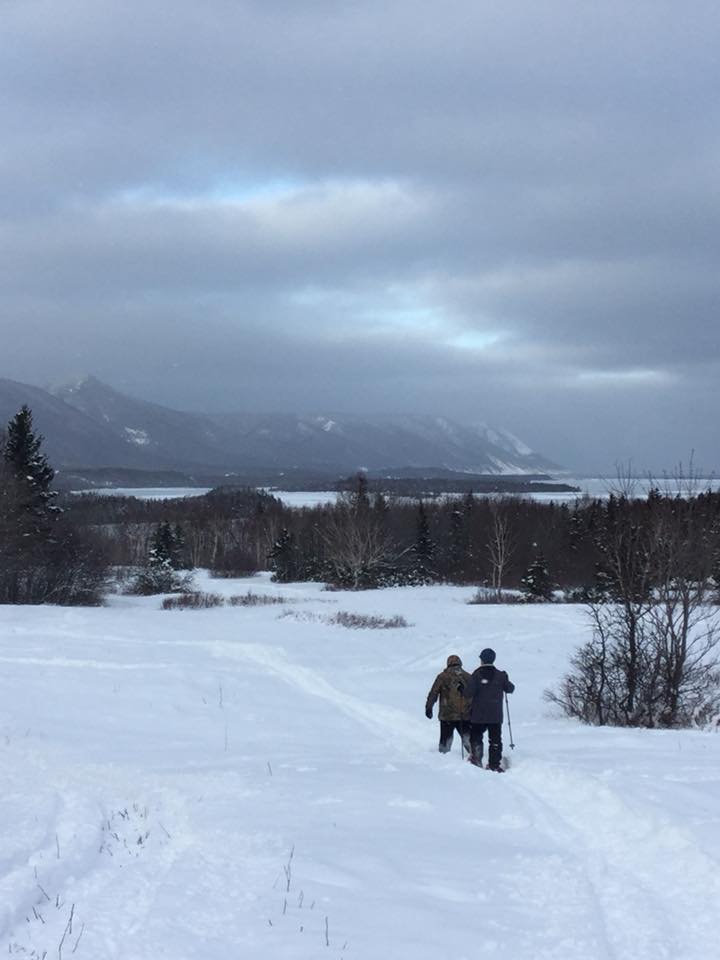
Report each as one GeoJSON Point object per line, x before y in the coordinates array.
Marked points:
{"type": "Point", "coordinates": [29, 466]}
{"type": "Point", "coordinates": [360, 499]}
{"type": "Point", "coordinates": [469, 512]}
{"type": "Point", "coordinates": [159, 573]}
{"type": "Point", "coordinates": [457, 545]}
{"type": "Point", "coordinates": [536, 583]}
{"type": "Point", "coordinates": [283, 559]}
{"type": "Point", "coordinates": [167, 545]}
{"type": "Point", "coordinates": [381, 507]}
{"type": "Point", "coordinates": [424, 549]}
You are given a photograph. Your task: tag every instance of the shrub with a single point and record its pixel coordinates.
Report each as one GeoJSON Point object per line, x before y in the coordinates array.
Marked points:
{"type": "Point", "coordinates": [651, 666]}
{"type": "Point", "coordinates": [159, 578]}
{"type": "Point", "coordinates": [193, 601]}
{"type": "Point", "coordinates": [251, 599]}
{"type": "Point", "coordinates": [363, 621]}
{"type": "Point", "coordinates": [302, 616]}
{"type": "Point", "coordinates": [485, 595]}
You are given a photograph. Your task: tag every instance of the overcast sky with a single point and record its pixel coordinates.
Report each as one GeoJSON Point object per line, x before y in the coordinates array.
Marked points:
{"type": "Point", "coordinates": [501, 211]}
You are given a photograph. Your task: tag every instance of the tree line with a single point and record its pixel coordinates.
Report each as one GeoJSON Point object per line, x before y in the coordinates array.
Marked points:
{"type": "Point", "coordinates": [365, 539]}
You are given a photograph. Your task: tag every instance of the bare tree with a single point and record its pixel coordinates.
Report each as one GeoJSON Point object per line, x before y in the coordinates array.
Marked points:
{"type": "Point", "coordinates": [501, 544]}
{"type": "Point", "coordinates": [683, 622]}
{"type": "Point", "coordinates": [358, 551]}
{"type": "Point", "coordinates": [624, 485]}
{"type": "Point", "coordinates": [652, 659]}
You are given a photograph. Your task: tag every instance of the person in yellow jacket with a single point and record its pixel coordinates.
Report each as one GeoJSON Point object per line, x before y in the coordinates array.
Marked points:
{"type": "Point", "coordinates": [449, 687]}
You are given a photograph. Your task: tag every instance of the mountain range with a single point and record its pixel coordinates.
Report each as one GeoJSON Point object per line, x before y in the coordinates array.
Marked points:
{"type": "Point", "coordinates": [90, 424]}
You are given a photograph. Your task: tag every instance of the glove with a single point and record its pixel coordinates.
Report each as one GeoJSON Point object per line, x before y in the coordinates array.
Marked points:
{"type": "Point", "coordinates": [428, 712]}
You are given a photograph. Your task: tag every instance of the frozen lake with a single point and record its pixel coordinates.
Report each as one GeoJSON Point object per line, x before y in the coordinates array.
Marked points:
{"type": "Point", "coordinates": [147, 493]}
{"type": "Point", "coordinates": [596, 487]}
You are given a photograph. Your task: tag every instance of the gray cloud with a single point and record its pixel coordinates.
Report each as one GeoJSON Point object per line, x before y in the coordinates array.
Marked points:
{"type": "Point", "coordinates": [506, 213]}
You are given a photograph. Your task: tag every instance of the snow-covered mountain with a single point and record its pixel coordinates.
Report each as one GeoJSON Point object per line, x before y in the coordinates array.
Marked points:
{"type": "Point", "coordinates": [88, 423]}
{"type": "Point", "coordinates": [72, 436]}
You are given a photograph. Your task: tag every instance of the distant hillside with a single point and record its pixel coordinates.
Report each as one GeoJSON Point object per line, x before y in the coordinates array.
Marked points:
{"type": "Point", "coordinates": [71, 436]}
{"type": "Point", "coordinates": [90, 424]}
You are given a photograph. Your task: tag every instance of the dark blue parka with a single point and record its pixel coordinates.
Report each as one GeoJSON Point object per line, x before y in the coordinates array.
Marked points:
{"type": "Point", "coordinates": [484, 694]}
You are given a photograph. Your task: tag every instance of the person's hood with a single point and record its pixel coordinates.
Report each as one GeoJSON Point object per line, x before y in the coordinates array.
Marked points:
{"type": "Point", "coordinates": [454, 660]}
{"type": "Point", "coordinates": [486, 669]}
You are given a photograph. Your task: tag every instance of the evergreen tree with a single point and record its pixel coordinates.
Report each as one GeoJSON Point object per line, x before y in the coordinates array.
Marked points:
{"type": "Point", "coordinates": [381, 508]}
{"type": "Point", "coordinates": [536, 583]}
{"type": "Point", "coordinates": [457, 545]}
{"type": "Point", "coordinates": [29, 467]}
{"type": "Point", "coordinates": [360, 499]}
{"type": "Point", "coordinates": [45, 557]}
{"type": "Point", "coordinates": [469, 512]}
{"type": "Point", "coordinates": [166, 545]}
{"type": "Point", "coordinates": [159, 573]}
{"type": "Point", "coordinates": [283, 558]}
{"type": "Point", "coordinates": [423, 550]}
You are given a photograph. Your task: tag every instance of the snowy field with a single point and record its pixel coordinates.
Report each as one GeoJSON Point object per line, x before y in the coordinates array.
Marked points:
{"type": "Point", "coordinates": [246, 783]}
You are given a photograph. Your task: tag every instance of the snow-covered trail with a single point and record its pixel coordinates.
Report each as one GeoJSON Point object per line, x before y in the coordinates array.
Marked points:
{"type": "Point", "coordinates": [642, 875]}
{"type": "Point", "coordinates": [238, 782]}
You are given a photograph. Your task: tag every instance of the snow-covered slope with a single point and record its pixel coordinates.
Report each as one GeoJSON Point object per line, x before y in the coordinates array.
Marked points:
{"type": "Point", "coordinates": [72, 436]}
{"type": "Point", "coordinates": [256, 782]}
{"type": "Point", "coordinates": [329, 442]}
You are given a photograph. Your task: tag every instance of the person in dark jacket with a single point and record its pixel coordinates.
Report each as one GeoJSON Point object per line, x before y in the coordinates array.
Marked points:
{"type": "Point", "coordinates": [484, 694]}
{"type": "Point", "coordinates": [450, 686]}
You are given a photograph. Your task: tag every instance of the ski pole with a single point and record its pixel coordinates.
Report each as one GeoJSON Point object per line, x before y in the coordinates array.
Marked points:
{"type": "Point", "coordinates": [507, 707]}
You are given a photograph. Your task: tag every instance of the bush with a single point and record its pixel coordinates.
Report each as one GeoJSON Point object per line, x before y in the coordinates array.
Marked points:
{"type": "Point", "coordinates": [251, 599]}
{"type": "Point", "coordinates": [363, 621]}
{"type": "Point", "coordinates": [653, 665]}
{"type": "Point", "coordinates": [487, 595]}
{"type": "Point", "coordinates": [193, 601]}
{"type": "Point", "coordinates": [159, 578]}
{"type": "Point", "coordinates": [302, 616]}
{"type": "Point", "coordinates": [69, 568]}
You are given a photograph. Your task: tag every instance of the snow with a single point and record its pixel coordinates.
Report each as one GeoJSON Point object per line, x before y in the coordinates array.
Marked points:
{"type": "Point", "coordinates": [147, 493]}
{"type": "Point", "coordinates": [139, 437]}
{"type": "Point", "coordinates": [507, 441]}
{"type": "Point", "coordinates": [517, 445]}
{"type": "Point", "coordinates": [303, 498]}
{"type": "Point", "coordinates": [328, 425]}
{"type": "Point", "coordinates": [224, 783]}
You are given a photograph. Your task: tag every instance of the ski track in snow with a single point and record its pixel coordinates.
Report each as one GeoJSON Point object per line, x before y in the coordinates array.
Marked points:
{"type": "Point", "coordinates": [104, 859]}
{"type": "Point", "coordinates": [391, 725]}
{"type": "Point", "coordinates": [650, 877]}
{"type": "Point", "coordinates": [636, 910]}
{"type": "Point", "coordinates": [74, 663]}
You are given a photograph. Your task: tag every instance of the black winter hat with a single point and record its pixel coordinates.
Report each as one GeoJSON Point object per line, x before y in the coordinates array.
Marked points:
{"type": "Point", "coordinates": [487, 655]}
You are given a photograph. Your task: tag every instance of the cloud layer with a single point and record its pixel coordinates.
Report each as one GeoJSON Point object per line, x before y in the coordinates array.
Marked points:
{"type": "Point", "coordinates": [505, 212]}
